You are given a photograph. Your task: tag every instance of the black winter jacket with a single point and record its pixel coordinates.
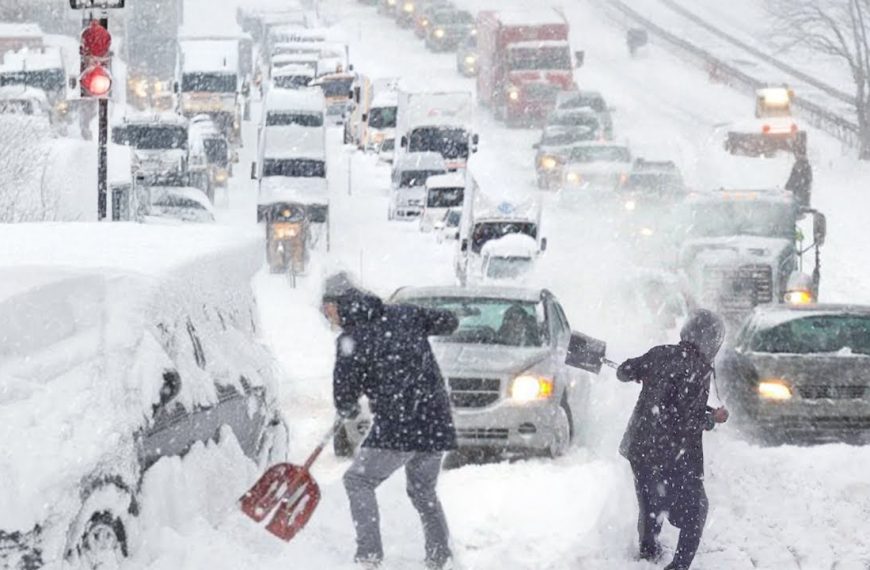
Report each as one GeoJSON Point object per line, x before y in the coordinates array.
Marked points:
{"type": "Point", "coordinates": [384, 354]}
{"type": "Point", "coordinates": [671, 413]}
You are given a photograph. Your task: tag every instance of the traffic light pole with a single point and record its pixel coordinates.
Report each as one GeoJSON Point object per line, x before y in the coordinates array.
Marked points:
{"type": "Point", "coordinates": [102, 150]}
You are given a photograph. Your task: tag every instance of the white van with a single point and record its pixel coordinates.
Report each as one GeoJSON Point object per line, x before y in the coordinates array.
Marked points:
{"type": "Point", "coordinates": [408, 188]}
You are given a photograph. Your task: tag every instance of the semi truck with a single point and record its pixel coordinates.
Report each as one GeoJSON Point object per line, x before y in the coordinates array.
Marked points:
{"type": "Point", "coordinates": [524, 61]}
{"type": "Point", "coordinates": [437, 122]}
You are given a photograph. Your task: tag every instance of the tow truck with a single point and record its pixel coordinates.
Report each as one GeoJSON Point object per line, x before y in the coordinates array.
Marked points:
{"type": "Point", "coordinates": [773, 128]}
{"type": "Point", "coordinates": [741, 249]}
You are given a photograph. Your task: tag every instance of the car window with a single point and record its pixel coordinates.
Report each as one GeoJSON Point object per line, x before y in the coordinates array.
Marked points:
{"type": "Point", "coordinates": [506, 322]}
{"type": "Point", "coordinates": [815, 335]}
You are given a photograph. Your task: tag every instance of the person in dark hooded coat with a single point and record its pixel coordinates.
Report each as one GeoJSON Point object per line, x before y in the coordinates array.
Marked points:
{"type": "Point", "coordinates": [383, 353]}
{"type": "Point", "coordinates": [663, 440]}
{"type": "Point", "coordinates": [800, 179]}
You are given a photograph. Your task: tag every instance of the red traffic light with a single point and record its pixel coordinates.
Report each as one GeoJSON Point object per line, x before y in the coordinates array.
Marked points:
{"type": "Point", "coordinates": [96, 40]}
{"type": "Point", "coordinates": [96, 81]}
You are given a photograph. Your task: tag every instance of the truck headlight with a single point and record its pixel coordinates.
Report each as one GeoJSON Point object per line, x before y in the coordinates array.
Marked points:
{"type": "Point", "coordinates": [548, 162]}
{"type": "Point", "coordinates": [774, 389]}
{"type": "Point", "coordinates": [221, 176]}
{"type": "Point", "coordinates": [513, 93]}
{"type": "Point", "coordinates": [470, 60]}
{"type": "Point", "coordinates": [529, 388]}
{"type": "Point", "coordinates": [573, 177]}
{"type": "Point", "coordinates": [439, 33]}
{"type": "Point", "coordinates": [799, 297]}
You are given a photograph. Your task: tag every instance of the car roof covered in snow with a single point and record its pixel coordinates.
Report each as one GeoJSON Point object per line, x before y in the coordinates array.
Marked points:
{"type": "Point", "coordinates": [209, 56]}
{"type": "Point", "coordinates": [529, 17]}
{"type": "Point", "coordinates": [32, 60]}
{"type": "Point", "coordinates": [408, 294]}
{"type": "Point", "coordinates": [294, 141]}
{"type": "Point", "coordinates": [295, 100]}
{"type": "Point", "coordinates": [22, 92]}
{"type": "Point", "coordinates": [420, 161]}
{"type": "Point", "coordinates": [193, 194]}
{"type": "Point", "coordinates": [769, 316]}
{"type": "Point", "coordinates": [450, 180]}
{"type": "Point", "coordinates": [516, 245]}
{"type": "Point", "coordinates": [164, 118]}
{"type": "Point", "coordinates": [274, 189]}
{"type": "Point", "coordinates": [293, 69]}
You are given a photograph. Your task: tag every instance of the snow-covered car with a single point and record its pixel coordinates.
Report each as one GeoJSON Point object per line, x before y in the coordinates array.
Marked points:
{"type": "Point", "coordinates": [509, 385]}
{"type": "Point", "coordinates": [591, 100]}
{"type": "Point", "coordinates": [508, 258]}
{"type": "Point", "coordinates": [123, 345]}
{"type": "Point", "coordinates": [466, 56]}
{"type": "Point", "coordinates": [595, 167]}
{"type": "Point", "coordinates": [801, 374]}
{"type": "Point", "coordinates": [554, 148]}
{"type": "Point", "coordinates": [160, 144]}
{"type": "Point", "coordinates": [179, 203]}
{"type": "Point", "coordinates": [408, 188]}
{"type": "Point", "coordinates": [443, 192]}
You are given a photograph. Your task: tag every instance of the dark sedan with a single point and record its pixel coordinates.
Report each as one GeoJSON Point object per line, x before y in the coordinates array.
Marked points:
{"type": "Point", "coordinates": [798, 374]}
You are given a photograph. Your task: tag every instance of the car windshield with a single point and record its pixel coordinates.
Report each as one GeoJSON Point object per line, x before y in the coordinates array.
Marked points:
{"type": "Point", "coordinates": [291, 81]}
{"type": "Point", "coordinates": [411, 178]}
{"type": "Point", "coordinates": [49, 80]}
{"type": "Point", "coordinates": [287, 118]}
{"type": "Point", "coordinates": [816, 334]}
{"type": "Point", "coordinates": [156, 137]}
{"type": "Point", "coordinates": [569, 119]}
{"type": "Point", "coordinates": [337, 87]}
{"type": "Point", "coordinates": [507, 267]}
{"type": "Point", "coordinates": [600, 154]}
{"type": "Point", "coordinates": [294, 167]}
{"type": "Point", "coordinates": [597, 104]}
{"type": "Point", "coordinates": [448, 142]}
{"type": "Point", "coordinates": [722, 218]}
{"type": "Point", "coordinates": [660, 183]}
{"type": "Point", "coordinates": [444, 197]}
{"type": "Point", "coordinates": [216, 150]}
{"type": "Point", "coordinates": [529, 59]}
{"type": "Point", "coordinates": [452, 18]}
{"type": "Point", "coordinates": [485, 231]}
{"type": "Point", "coordinates": [209, 82]}
{"type": "Point", "coordinates": [382, 117]}
{"type": "Point", "coordinates": [562, 137]}
{"type": "Point", "coordinates": [170, 200]}
{"type": "Point", "coordinates": [505, 322]}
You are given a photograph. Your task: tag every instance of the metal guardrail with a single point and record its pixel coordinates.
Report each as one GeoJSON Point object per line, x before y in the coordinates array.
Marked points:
{"type": "Point", "coordinates": [832, 123]}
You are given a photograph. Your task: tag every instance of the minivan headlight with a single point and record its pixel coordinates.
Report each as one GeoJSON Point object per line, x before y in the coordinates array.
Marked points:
{"type": "Point", "coordinates": [774, 389]}
{"type": "Point", "coordinates": [529, 388]}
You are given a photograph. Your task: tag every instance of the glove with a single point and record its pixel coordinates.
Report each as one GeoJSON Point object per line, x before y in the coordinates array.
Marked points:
{"type": "Point", "coordinates": [349, 413]}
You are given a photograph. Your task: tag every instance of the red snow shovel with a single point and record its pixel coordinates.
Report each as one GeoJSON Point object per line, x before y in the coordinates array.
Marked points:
{"type": "Point", "coordinates": [288, 493]}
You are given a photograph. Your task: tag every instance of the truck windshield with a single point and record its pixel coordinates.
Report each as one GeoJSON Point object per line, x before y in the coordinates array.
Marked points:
{"type": "Point", "coordinates": [49, 80]}
{"type": "Point", "coordinates": [444, 197]}
{"type": "Point", "coordinates": [337, 87]}
{"type": "Point", "coordinates": [287, 118]}
{"type": "Point", "coordinates": [530, 59]}
{"type": "Point", "coordinates": [156, 137]}
{"type": "Point", "coordinates": [485, 231]}
{"type": "Point", "coordinates": [295, 167]}
{"type": "Point", "coordinates": [506, 322]}
{"type": "Point", "coordinates": [382, 117]}
{"type": "Point", "coordinates": [209, 83]}
{"type": "Point", "coordinates": [600, 154]}
{"type": "Point", "coordinates": [448, 142]}
{"type": "Point", "coordinates": [417, 177]}
{"type": "Point", "coordinates": [216, 151]}
{"type": "Point", "coordinates": [816, 334]}
{"type": "Point", "coordinates": [722, 218]}
{"type": "Point", "coordinates": [291, 81]}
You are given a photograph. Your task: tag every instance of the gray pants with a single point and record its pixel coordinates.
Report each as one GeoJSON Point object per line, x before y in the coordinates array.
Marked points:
{"type": "Point", "coordinates": [371, 468]}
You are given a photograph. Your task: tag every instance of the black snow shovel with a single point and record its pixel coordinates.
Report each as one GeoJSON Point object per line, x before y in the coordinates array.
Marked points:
{"type": "Point", "coordinates": [587, 353]}
{"type": "Point", "coordinates": [286, 494]}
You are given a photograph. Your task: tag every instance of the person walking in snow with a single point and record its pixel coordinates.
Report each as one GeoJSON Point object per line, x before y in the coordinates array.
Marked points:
{"type": "Point", "coordinates": [800, 180]}
{"type": "Point", "coordinates": [383, 353]}
{"type": "Point", "coordinates": [663, 439]}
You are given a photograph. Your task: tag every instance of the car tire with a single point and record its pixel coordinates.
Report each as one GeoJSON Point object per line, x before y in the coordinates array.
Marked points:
{"type": "Point", "coordinates": [341, 444]}
{"type": "Point", "coordinates": [103, 545]}
{"type": "Point", "coordinates": [102, 529]}
{"type": "Point", "coordinates": [562, 432]}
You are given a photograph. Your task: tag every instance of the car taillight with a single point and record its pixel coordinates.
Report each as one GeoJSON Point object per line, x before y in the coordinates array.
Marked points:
{"type": "Point", "coordinates": [765, 129]}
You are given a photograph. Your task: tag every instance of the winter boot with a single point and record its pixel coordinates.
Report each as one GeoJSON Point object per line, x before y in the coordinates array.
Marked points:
{"type": "Point", "coordinates": [651, 553]}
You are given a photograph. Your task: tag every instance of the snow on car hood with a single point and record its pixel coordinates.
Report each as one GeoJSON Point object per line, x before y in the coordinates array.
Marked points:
{"type": "Point", "coordinates": [732, 250]}
{"type": "Point", "coordinates": [511, 245]}
{"type": "Point", "coordinates": [459, 358]}
{"type": "Point", "coordinates": [168, 157]}
{"type": "Point", "coordinates": [310, 190]}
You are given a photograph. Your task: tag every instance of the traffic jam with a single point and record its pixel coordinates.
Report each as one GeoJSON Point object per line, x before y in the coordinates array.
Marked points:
{"type": "Point", "coordinates": [336, 239]}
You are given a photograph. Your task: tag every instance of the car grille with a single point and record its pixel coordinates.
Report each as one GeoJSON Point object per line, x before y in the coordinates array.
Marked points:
{"type": "Point", "coordinates": [826, 423]}
{"type": "Point", "coordinates": [489, 434]}
{"type": "Point", "coordinates": [738, 289]}
{"type": "Point", "coordinates": [832, 392]}
{"type": "Point", "coordinates": [474, 392]}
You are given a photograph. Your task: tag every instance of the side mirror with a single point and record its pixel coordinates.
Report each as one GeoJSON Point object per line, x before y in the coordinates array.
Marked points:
{"type": "Point", "coordinates": [543, 244]}
{"type": "Point", "coordinates": [463, 247]}
{"type": "Point", "coordinates": [820, 228]}
{"type": "Point", "coordinates": [404, 142]}
{"type": "Point", "coordinates": [365, 118]}
{"type": "Point", "coordinates": [586, 353]}
{"type": "Point", "coordinates": [356, 94]}
{"type": "Point", "coordinates": [253, 171]}
{"type": "Point", "coordinates": [350, 95]}
{"type": "Point", "coordinates": [579, 58]}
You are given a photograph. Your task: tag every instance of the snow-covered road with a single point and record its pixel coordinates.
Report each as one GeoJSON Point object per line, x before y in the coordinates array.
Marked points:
{"type": "Point", "coordinates": [783, 508]}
